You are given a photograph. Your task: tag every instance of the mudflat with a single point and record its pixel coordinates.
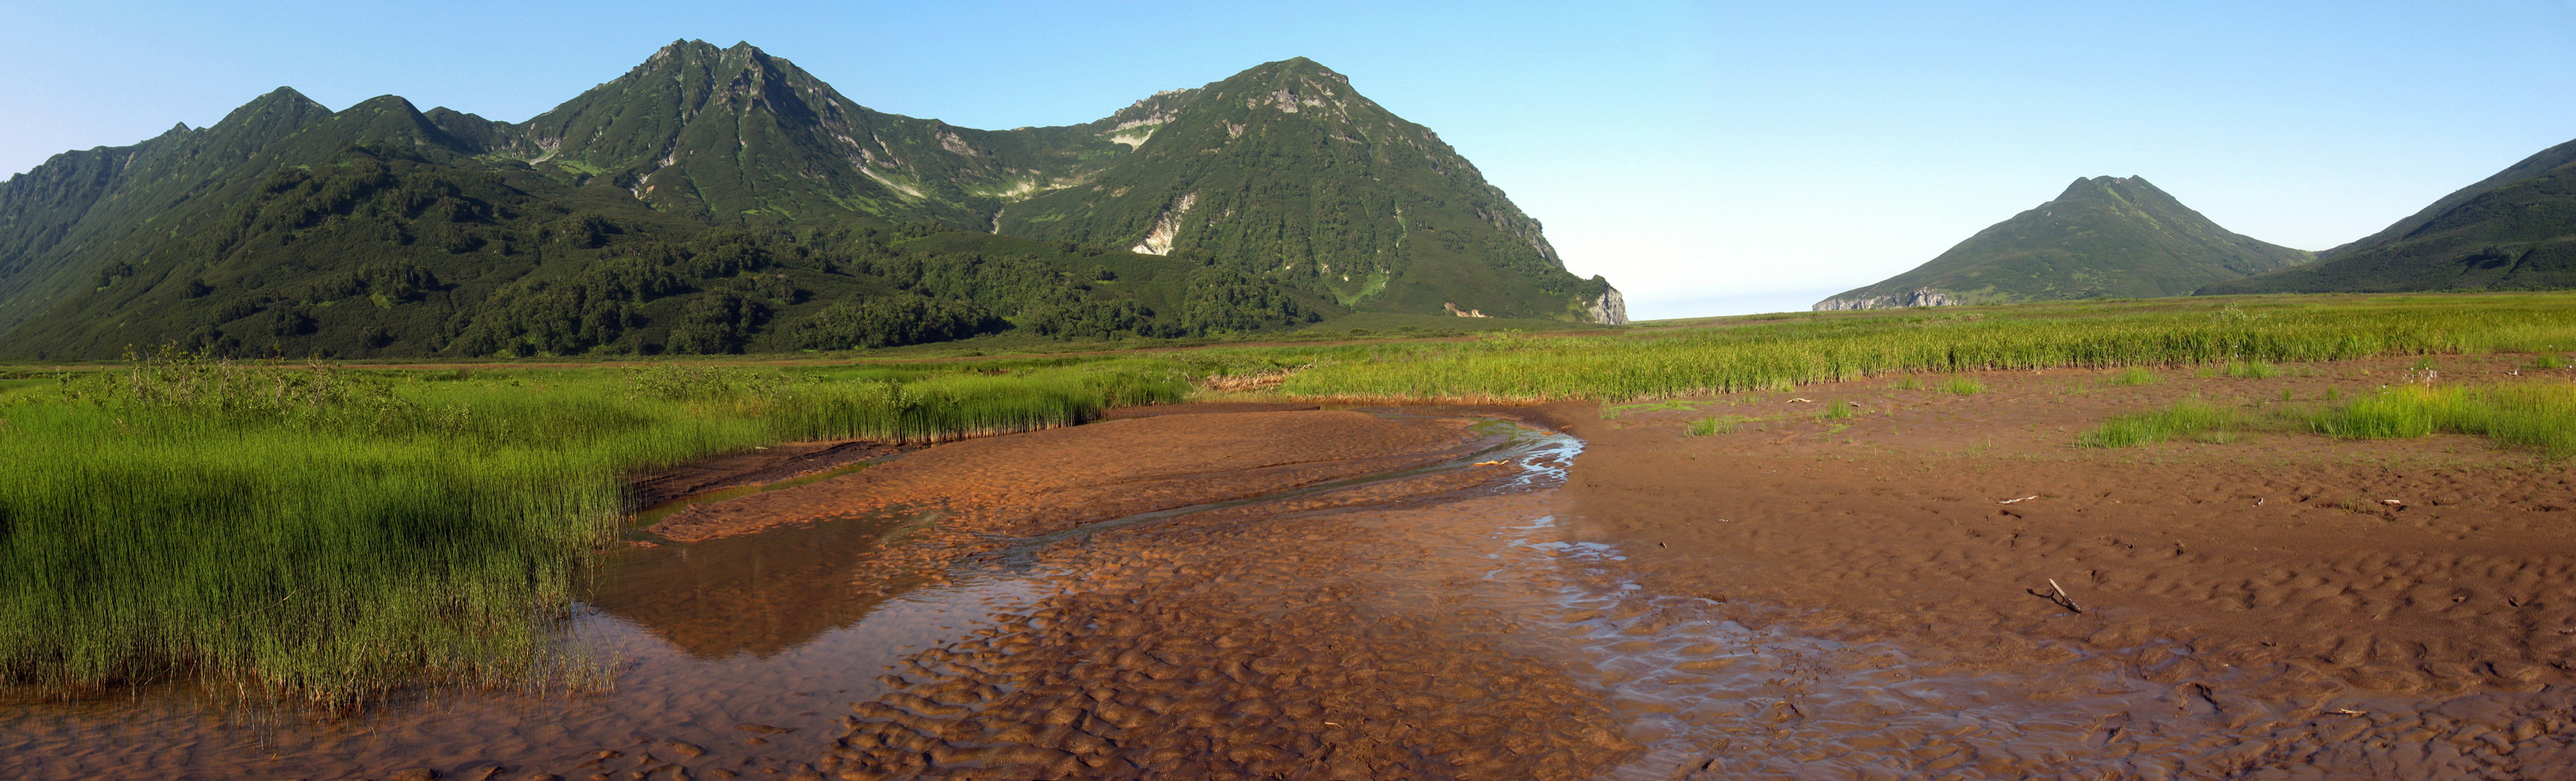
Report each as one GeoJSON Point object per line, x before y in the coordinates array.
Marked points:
{"type": "Point", "coordinates": [2294, 604]}
{"type": "Point", "coordinates": [1923, 584]}
{"type": "Point", "coordinates": [1050, 480]}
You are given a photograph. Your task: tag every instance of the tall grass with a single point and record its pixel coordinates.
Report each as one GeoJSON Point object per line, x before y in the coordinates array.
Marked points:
{"type": "Point", "coordinates": [2188, 417]}
{"type": "Point", "coordinates": [328, 534]}
{"type": "Point", "coordinates": [1780, 354]}
{"type": "Point", "coordinates": [2536, 415]}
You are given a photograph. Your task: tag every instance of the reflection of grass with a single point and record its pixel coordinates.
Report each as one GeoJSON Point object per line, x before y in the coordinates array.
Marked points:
{"type": "Point", "coordinates": [2133, 375]}
{"type": "Point", "coordinates": [1963, 386]}
{"type": "Point", "coordinates": [2189, 417]}
{"type": "Point", "coordinates": [2536, 415]}
{"type": "Point", "coordinates": [327, 533]}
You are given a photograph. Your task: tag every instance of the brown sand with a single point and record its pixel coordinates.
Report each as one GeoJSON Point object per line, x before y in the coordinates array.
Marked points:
{"type": "Point", "coordinates": [1851, 598]}
{"type": "Point", "coordinates": [758, 466]}
{"type": "Point", "coordinates": [1050, 480]}
{"type": "Point", "coordinates": [2269, 578]}
{"type": "Point", "coordinates": [2241, 609]}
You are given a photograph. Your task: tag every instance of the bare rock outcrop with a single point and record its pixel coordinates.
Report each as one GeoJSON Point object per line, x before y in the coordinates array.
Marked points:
{"type": "Point", "coordinates": [1921, 296]}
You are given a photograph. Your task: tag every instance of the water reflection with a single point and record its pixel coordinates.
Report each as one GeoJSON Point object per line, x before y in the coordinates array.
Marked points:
{"type": "Point", "coordinates": [759, 594]}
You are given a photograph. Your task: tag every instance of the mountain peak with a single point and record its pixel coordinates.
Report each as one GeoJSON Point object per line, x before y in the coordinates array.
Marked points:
{"type": "Point", "coordinates": [1293, 68]}
{"type": "Point", "coordinates": [2107, 184]}
{"type": "Point", "coordinates": [2103, 236]}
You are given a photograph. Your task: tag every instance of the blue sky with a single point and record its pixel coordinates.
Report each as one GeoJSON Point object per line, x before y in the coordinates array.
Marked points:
{"type": "Point", "coordinates": [1710, 158]}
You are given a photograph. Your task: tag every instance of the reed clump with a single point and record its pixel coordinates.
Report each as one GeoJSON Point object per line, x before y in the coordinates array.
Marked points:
{"type": "Point", "coordinates": [2190, 417]}
{"type": "Point", "coordinates": [328, 534]}
{"type": "Point", "coordinates": [2538, 415]}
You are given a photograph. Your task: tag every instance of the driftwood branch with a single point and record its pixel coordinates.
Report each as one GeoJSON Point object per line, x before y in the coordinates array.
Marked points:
{"type": "Point", "coordinates": [2062, 599]}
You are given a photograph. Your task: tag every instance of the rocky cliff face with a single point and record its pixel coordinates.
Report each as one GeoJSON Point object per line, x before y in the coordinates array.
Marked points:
{"type": "Point", "coordinates": [1610, 308]}
{"type": "Point", "coordinates": [1921, 296]}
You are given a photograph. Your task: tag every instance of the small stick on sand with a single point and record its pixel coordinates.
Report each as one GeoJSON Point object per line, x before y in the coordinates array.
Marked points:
{"type": "Point", "coordinates": [2062, 599]}
{"type": "Point", "coordinates": [2023, 499]}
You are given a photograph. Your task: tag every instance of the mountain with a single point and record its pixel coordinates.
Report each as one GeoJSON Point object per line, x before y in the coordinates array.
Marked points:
{"type": "Point", "coordinates": [721, 200]}
{"type": "Point", "coordinates": [2516, 229]}
{"type": "Point", "coordinates": [2104, 236]}
{"type": "Point", "coordinates": [60, 221]}
{"type": "Point", "coordinates": [1287, 162]}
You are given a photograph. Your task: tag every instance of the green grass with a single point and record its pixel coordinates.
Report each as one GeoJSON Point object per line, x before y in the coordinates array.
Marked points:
{"type": "Point", "coordinates": [333, 533]}
{"type": "Point", "coordinates": [2537, 415]}
{"type": "Point", "coordinates": [1713, 425]}
{"type": "Point", "coordinates": [2134, 375]}
{"type": "Point", "coordinates": [329, 534]}
{"type": "Point", "coordinates": [1778, 354]}
{"type": "Point", "coordinates": [2190, 417]}
{"type": "Point", "coordinates": [1836, 410]}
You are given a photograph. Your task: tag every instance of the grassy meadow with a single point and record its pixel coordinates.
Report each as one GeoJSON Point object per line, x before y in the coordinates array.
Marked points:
{"type": "Point", "coordinates": [327, 533]}
{"type": "Point", "coordinates": [2538, 416]}
{"type": "Point", "coordinates": [332, 532]}
{"type": "Point", "coordinates": [2236, 336]}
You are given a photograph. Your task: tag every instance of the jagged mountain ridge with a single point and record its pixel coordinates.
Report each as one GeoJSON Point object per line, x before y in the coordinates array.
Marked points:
{"type": "Point", "coordinates": [2103, 237]}
{"type": "Point", "coordinates": [2513, 230]}
{"type": "Point", "coordinates": [735, 137]}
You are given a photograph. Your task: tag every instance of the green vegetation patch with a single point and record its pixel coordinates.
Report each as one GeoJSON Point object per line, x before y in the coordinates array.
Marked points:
{"type": "Point", "coordinates": [1714, 425]}
{"type": "Point", "coordinates": [1778, 354]}
{"type": "Point", "coordinates": [330, 534]}
{"type": "Point", "coordinates": [2535, 415]}
{"type": "Point", "coordinates": [2190, 417]}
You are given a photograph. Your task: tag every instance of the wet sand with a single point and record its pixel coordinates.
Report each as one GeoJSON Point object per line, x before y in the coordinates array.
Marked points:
{"type": "Point", "coordinates": [1265, 591]}
{"type": "Point", "coordinates": [2309, 607]}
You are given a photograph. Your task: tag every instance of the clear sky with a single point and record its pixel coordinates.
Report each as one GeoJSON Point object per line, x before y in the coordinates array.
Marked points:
{"type": "Point", "coordinates": [1709, 158]}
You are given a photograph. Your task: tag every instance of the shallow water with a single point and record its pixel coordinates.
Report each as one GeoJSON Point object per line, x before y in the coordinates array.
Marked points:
{"type": "Point", "coordinates": [748, 651]}
{"type": "Point", "coordinates": [778, 630]}
{"type": "Point", "coordinates": [770, 630]}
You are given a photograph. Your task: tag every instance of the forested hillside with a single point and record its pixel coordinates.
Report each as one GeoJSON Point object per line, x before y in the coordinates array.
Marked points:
{"type": "Point", "coordinates": [723, 200]}
{"type": "Point", "coordinates": [2513, 230]}
{"type": "Point", "coordinates": [2103, 237]}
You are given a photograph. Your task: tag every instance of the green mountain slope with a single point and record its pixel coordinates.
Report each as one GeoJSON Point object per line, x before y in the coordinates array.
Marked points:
{"type": "Point", "coordinates": [381, 250]}
{"type": "Point", "coordinates": [725, 134]}
{"type": "Point", "coordinates": [2516, 229]}
{"type": "Point", "coordinates": [719, 200]}
{"type": "Point", "coordinates": [2104, 236]}
{"type": "Point", "coordinates": [1286, 167]}
{"type": "Point", "coordinates": [61, 221]}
